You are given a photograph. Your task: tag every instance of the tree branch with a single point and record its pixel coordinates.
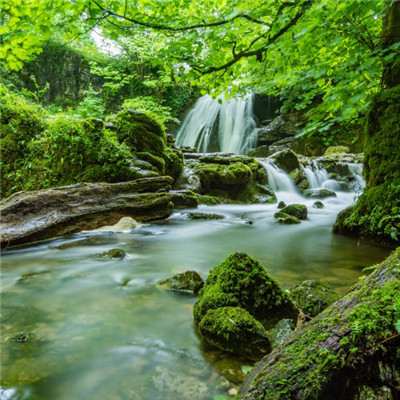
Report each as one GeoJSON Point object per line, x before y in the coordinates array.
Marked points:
{"type": "Point", "coordinates": [182, 28]}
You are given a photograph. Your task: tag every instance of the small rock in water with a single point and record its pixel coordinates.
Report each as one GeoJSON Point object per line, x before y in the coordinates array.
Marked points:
{"type": "Point", "coordinates": [296, 210]}
{"type": "Point", "coordinates": [318, 204]}
{"type": "Point", "coordinates": [319, 193]}
{"type": "Point", "coordinates": [22, 336]}
{"type": "Point", "coordinates": [281, 204]}
{"type": "Point", "coordinates": [189, 282]}
{"type": "Point", "coordinates": [283, 218]}
{"type": "Point", "coordinates": [124, 224]}
{"type": "Point", "coordinates": [199, 215]}
{"type": "Point", "coordinates": [114, 253]}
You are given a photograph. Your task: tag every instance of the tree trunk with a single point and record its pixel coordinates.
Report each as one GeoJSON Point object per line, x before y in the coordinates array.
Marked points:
{"type": "Point", "coordinates": [377, 213]}
{"type": "Point", "coordinates": [349, 351]}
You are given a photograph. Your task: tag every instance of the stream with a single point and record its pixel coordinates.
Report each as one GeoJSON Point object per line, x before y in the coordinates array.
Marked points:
{"type": "Point", "coordinates": [101, 329]}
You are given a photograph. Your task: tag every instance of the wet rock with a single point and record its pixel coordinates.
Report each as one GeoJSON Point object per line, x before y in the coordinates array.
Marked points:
{"type": "Point", "coordinates": [188, 180]}
{"type": "Point", "coordinates": [337, 150]}
{"type": "Point", "coordinates": [205, 216]}
{"type": "Point", "coordinates": [318, 204]}
{"type": "Point", "coordinates": [234, 330]}
{"type": "Point", "coordinates": [178, 386]}
{"type": "Point", "coordinates": [280, 332]}
{"type": "Point", "coordinates": [286, 219]}
{"type": "Point", "coordinates": [261, 151]}
{"type": "Point", "coordinates": [208, 200]}
{"type": "Point", "coordinates": [23, 336]}
{"type": "Point", "coordinates": [124, 224]}
{"type": "Point", "coordinates": [42, 214]}
{"type": "Point", "coordinates": [281, 204]}
{"type": "Point", "coordinates": [114, 253]}
{"type": "Point", "coordinates": [279, 128]}
{"type": "Point", "coordinates": [241, 281]}
{"type": "Point", "coordinates": [189, 282]}
{"type": "Point", "coordinates": [184, 199]}
{"type": "Point", "coordinates": [188, 149]}
{"type": "Point", "coordinates": [319, 193]}
{"type": "Point", "coordinates": [286, 160]}
{"type": "Point", "coordinates": [296, 210]}
{"type": "Point", "coordinates": [313, 296]}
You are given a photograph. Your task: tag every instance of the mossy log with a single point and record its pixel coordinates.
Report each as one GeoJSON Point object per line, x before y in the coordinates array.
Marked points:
{"type": "Point", "coordinates": [349, 351]}
{"type": "Point", "coordinates": [43, 214]}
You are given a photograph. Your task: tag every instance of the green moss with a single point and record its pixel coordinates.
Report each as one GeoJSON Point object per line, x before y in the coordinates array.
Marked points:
{"type": "Point", "coordinates": [234, 330]}
{"type": "Point", "coordinates": [114, 253]}
{"type": "Point", "coordinates": [307, 365]}
{"type": "Point", "coordinates": [336, 150]}
{"type": "Point", "coordinates": [204, 216]}
{"type": "Point", "coordinates": [296, 210]}
{"type": "Point", "coordinates": [286, 219]}
{"type": "Point", "coordinates": [174, 162]}
{"type": "Point", "coordinates": [157, 162]}
{"type": "Point", "coordinates": [241, 281]}
{"type": "Point", "coordinates": [186, 282]}
{"type": "Point", "coordinates": [313, 296]}
{"type": "Point", "coordinates": [208, 200]}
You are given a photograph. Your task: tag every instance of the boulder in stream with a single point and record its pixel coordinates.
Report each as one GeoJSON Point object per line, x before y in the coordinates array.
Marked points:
{"type": "Point", "coordinates": [236, 331]}
{"type": "Point", "coordinates": [296, 210]}
{"type": "Point", "coordinates": [43, 214]}
{"type": "Point", "coordinates": [189, 282]}
{"type": "Point", "coordinates": [114, 254]}
{"type": "Point", "coordinates": [204, 216]}
{"type": "Point", "coordinates": [319, 193]}
{"type": "Point", "coordinates": [286, 219]}
{"type": "Point", "coordinates": [241, 281]}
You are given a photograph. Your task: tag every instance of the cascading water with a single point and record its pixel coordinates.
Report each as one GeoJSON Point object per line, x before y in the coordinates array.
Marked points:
{"type": "Point", "coordinates": [230, 121]}
{"type": "Point", "coordinates": [316, 176]}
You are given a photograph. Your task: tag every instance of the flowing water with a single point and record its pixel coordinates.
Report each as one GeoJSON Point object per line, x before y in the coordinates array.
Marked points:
{"type": "Point", "coordinates": [103, 330]}
{"type": "Point", "coordinates": [219, 125]}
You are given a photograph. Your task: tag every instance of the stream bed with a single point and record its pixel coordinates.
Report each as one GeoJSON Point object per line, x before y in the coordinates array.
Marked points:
{"type": "Point", "coordinates": [101, 329]}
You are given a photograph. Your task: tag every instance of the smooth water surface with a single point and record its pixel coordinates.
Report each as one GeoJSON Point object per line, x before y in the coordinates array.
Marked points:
{"type": "Point", "coordinates": [103, 330]}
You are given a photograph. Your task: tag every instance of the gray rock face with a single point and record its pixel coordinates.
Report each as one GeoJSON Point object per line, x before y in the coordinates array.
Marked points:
{"type": "Point", "coordinates": [43, 214]}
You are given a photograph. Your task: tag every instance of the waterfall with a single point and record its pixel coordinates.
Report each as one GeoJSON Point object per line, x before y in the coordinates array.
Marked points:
{"type": "Point", "coordinates": [219, 125]}
{"type": "Point", "coordinates": [356, 171]}
{"type": "Point", "coordinates": [316, 176]}
{"type": "Point", "coordinates": [280, 182]}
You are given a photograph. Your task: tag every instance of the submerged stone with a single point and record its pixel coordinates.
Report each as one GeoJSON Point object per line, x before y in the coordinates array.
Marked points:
{"type": "Point", "coordinates": [319, 193]}
{"type": "Point", "coordinates": [313, 296]}
{"type": "Point", "coordinates": [114, 253]}
{"type": "Point", "coordinates": [23, 336]}
{"type": "Point", "coordinates": [296, 210]}
{"type": "Point", "coordinates": [241, 281]}
{"type": "Point", "coordinates": [234, 330]}
{"type": "Point", "coordinates": [286, 219]}
{"type": "Point", "coordinates": [189, 282]}
{"type": "Point", "coordinates": [206, 216]}
{"type": "Point", "coordinates": [318, 204]}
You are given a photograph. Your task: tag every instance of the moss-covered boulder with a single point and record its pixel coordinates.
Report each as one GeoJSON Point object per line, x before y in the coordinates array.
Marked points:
{"type": "Point", "coordinates": [236, 331]}
{"type": "Point", "coordinates": [286, 219]}
{"type": "Point", "coordinates": [286, 160]}
{"type": "Point", "coordinates": [189, 282]}
{"type": "Point", "coordinates": [313, 296]}
{"type": "Point", "coordinates": [204, 216]}
{"type": "Point", "coordinates": [296, 210]}
{"type": "Point", "coordinates": [319, 193]}
{"type": "Point", "coordinates": [299, 178]}
{"type": "Point", "coordinates": [241, 281]}
{"type": "Point", "coordinates": [114, 253]}
{"type": "Point", "coordinates": [337, 150]}
{"type": "Point", "coordinates": [318, 204]}
{"type": "Point", "coordinates": [184, 199]}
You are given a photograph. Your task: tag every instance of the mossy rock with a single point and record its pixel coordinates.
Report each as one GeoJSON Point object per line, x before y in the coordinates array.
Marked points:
{"type": "Point", "coordinates": [286, 219]}
{"type": "Point", "coordinates": [286, 160]}
{"type": "Point", "coordinates": [208, 200]}
{"type": "Point", "coordinates": [189, 282]}
{"type": "Point", "coordinates": [204, 216]}
{"type": "Point", "coordinates": [23, 336]}
{"type": "Point", "coordinates": [140, 132]}
{"type": "Point", "coordinates": [296, 210]}
{"type": "Point", "coordinates": [319, 193]}
{"type": "Point", "coordinates": [114, 253]}
{"type": "Point", "coordinates": [318, 204]}
{"type": "Point", "coordinates": [241, 281]}
{"type": "Point", "coordinates": [173, 162]}
{"type": "Point", "coordinates": [184, 199]}
{"type": "Point", "coordinates": [281, 331]}
{"type": "Point", "coordinates": [313, 296]}
{"type": "Point", "coordinates": [157, 162]}
{"type": "Point", "coordinates": [235, 330]}
{"type": "Point", "coordinates": [336, 150]}
{"type": "Point", "coordinates": [281, 205]}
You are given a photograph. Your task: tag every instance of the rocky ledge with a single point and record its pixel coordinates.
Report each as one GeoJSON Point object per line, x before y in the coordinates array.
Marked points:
{"type": "Point", "coordinates": [42, 214]}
